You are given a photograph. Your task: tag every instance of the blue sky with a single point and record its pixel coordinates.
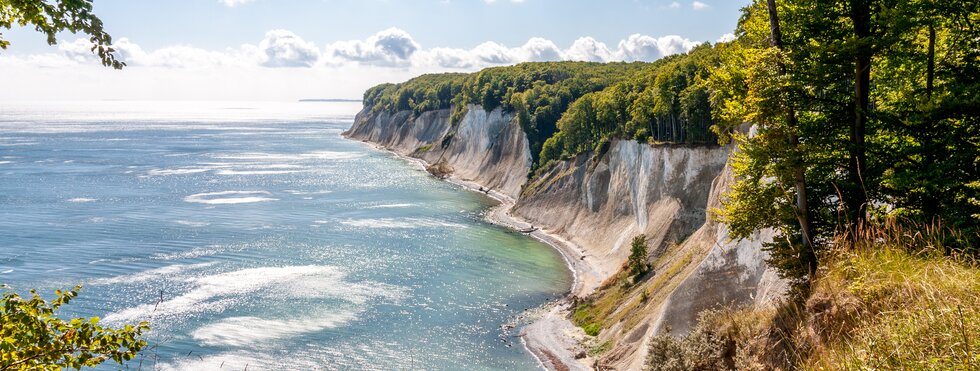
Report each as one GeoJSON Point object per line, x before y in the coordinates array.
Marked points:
{"type": "Point", "coordinates": [281, 49]}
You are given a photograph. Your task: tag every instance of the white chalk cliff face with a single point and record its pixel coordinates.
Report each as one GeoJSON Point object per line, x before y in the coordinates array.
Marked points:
{"type": "Point", "coordinates": [484, 147]}
{"type": "Point", "coordinates": [599, 203]}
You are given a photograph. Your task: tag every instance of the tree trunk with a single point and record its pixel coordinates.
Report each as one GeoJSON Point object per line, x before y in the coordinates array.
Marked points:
{"type": "Point", "coordinates": [857, 200]}
{"type": "Point", "coordinates": [807, 255]}
{"type": "Point", "coordinates": [931, 69]}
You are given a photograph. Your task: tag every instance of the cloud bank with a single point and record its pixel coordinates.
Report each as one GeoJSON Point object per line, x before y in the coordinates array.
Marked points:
{"type": "Point", "coordinates": [284, 65]}
{"type": "Point", "coordinates": [392, 48]}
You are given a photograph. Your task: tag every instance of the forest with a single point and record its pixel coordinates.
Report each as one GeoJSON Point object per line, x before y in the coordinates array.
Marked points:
{"type": "Point", "coordinates": [568, 108]}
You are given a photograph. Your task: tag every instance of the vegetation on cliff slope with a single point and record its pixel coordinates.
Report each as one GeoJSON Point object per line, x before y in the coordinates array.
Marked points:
{"type": "Point", "coordinates": [865, 158]}
{"type": "Point", "coordinates": [568, 108]}
{"type": "Point", "coordinates": [887, 300]}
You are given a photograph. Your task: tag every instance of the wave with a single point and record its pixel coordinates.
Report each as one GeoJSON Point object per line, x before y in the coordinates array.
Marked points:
{"type": "Point", "coordinates": [243, 331]}
{"type": "Point", "coordinates": [257, 172]}
{"type": "Point", "coordinates": [303, 193]}
{"type": "Point", "coordinates": [178, 171]}
{"type": "Point", "coordinates": [228, 168]}
{"type": "Point", "coordinates": [396, 223]}
{"type": "Point", "coordinates": [390, 206]}
{"type": "Point", "coordinates": [151, 274]}
{"type": "Point", "coordinates": [193, 223]}
{"type": "Point", "coordinates": [81, 200]}
{"type": "Point", "coordinates": [244, 359]}
{"type": "Point", "coordinates": [214, 198]}
{"type": "Point", "coordinates": [264, 156]}
{"type": "Point", "coordinates": [214, 293]}
{"type": "Point", "coordinates": [6, 162]}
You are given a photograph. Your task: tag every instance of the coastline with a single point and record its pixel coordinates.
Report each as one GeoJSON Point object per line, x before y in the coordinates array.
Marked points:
{"type": "Point", "coordinates": [553, 340]}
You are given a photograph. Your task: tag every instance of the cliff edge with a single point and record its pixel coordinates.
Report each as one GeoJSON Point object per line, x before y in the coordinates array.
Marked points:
{"type": "Point", "coordinates": [596, 203]}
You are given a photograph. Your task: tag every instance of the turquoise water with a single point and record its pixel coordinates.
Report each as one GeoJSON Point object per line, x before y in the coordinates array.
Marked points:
{"type": "Point", "coordinates": [253, 234]}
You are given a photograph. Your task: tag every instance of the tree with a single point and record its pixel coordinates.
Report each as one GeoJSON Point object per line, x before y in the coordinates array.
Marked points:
{"type": "Point", "coordinates": [33, 338]}
{"type": "Point", "coordinates": [637, 262]}
{"type": "Point", "coordinates": [52, 17]}
{"type": "Point", "coordinates": [862, 109]}
{"type": "Point", "coordinates": [807, 253]}
{"type": "Point", "coordinates": [861, 21]}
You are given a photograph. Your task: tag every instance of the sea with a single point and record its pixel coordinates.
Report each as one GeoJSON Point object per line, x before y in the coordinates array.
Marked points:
{"type": "Point", "coordinates": [252, 235]}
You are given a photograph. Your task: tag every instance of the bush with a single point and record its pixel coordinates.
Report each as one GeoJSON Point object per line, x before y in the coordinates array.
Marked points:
{"type": "Point", "coordinates": [703, 349]}
{"type": "Point", "coordinates": [592, 329]}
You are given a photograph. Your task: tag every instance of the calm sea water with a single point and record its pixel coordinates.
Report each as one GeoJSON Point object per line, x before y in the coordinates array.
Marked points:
{"type": "Point", "coordinates": [253, 234]}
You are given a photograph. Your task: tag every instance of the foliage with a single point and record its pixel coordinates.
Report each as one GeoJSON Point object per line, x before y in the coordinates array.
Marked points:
{"type": "Point", "coordinates": [637, 262]}
{"type": "Point", "coordinates": [702, 349]}
{"type": "Point", "coordinates": [917, 144]}
{"type": "Point", "coordinates": [32, 337]}
{"type": "Point", "coordinates": [668, 102]}
{"type": "Point", "coordinates": [52, 17]}
{"type": "Point", "coordinates": [592, 329]}
{"type": "Point", "coordinates": [568, 108]}
{"type": "Point", "coordinates": [584, 318]}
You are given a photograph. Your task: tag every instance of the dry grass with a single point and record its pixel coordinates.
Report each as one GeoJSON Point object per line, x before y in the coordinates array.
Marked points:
{"type": "Point", "coordinates": [893, 299]}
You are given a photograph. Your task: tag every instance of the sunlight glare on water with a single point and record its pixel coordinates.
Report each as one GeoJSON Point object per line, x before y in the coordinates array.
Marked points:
{"type": "Point", "coordinates": [253, 233]}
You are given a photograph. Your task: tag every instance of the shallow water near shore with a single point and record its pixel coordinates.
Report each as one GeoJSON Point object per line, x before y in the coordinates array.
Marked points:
{"type": "Point", "coordinates": [253, 234]}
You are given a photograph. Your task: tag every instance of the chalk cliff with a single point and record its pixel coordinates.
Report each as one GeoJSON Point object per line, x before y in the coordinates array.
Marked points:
{"type": "Point", "coordinates": [599, 202]}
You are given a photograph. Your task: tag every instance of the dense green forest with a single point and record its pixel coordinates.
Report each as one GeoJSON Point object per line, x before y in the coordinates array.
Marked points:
{"type": "Point", "coordinates": [567, 108]}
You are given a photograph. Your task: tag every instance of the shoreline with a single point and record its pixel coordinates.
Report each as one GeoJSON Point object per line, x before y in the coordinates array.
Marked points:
{"type": "Point", "coordinates": [551, 339]}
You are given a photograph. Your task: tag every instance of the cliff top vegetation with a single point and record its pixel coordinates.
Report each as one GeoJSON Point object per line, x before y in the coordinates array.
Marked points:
{"type": "Point", "coordinates": [568, 108]}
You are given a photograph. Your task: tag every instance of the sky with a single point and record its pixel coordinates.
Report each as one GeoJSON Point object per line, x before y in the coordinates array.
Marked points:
{"type": "Point", "coordinates": [299, 49]}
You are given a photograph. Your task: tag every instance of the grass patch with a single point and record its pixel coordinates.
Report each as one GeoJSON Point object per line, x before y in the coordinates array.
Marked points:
{"type": "Point", "coordinates": [903, 311]}
{"type": "Point", "coordinates": [892, 300]}
{"type": "Point", "coordinates": [600, 348]}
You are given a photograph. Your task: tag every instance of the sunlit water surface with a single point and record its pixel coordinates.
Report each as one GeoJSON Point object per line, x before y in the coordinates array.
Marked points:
{"type": "Point", "coordinates": [253, 234]}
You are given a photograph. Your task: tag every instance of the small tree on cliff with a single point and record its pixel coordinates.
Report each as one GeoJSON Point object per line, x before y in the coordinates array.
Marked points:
{"type": "Point", "coordinates": [637, 262]}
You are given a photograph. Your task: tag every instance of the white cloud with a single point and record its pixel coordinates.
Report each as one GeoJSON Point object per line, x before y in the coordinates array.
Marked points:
{"type": "Point", "coordinates": [697, 5]}
{"type": "Point", "coordinates": [283, 48]}
{"type": "Point", "coordinates": [726, 38]}
{"type": "Point", "coordinates": [346, 67]}
{"type": "Point", "coordinates": [388, 48]}
{"type": "Point", "coordinates": [648, 48]}
{"type": "Point", "coordinates": [391, 47]}
{"type": "Point", "coordinates": [234, 3]}
{"type": "Point", "coordinates": [492, 53]}
{"type": "Point", "coordinates": [540, 50]}
{"type": "Point", "coordinates": [674, 5]}
{"type": "Point", "coordinates": [589, 50]}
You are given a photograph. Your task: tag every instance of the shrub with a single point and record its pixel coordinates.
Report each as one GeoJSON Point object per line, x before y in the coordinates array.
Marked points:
{"type": "Point", "coordinates": [592, 329]}
{"type": "Point", "coordinates": [705, 348]}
